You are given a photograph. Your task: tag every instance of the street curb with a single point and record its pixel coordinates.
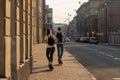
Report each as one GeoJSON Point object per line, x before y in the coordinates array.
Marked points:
{"type": "Point", "coordinates": [90, 74]}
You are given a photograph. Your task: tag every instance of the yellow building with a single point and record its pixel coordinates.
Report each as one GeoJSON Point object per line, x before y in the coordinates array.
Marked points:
{"type": "Point", "coordinates": [18, 31]}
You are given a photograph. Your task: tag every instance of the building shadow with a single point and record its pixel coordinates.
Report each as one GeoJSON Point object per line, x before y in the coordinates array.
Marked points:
{"type": "Point", "coordinates": [35, 72]}
{"type": "Point", "coordinates": [40, 69]}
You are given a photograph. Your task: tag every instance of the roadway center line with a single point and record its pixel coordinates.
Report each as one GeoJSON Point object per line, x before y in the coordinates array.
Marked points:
{"type": "Point", "coordinates": [116, 58]}
{"type": "Point", "coordinates": [116, 78]}
{"type": "Point", "coordinates": [103, 53]}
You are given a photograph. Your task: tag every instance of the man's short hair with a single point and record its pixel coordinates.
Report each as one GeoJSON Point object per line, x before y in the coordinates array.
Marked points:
{"type": "Point", "coordinates": [59, 28]}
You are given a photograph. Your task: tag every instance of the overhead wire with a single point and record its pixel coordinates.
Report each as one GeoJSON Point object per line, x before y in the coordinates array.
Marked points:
{"type": "Point", "coordinates": [72, 3]}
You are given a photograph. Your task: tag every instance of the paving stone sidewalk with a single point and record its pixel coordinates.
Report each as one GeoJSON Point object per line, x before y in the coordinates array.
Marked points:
{"type": "Point", "coordinates": [70, 70]}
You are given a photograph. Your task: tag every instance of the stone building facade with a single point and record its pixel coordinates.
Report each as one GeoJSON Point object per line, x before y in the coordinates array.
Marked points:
{"type": "Point", "coordinates": [100, 18]}
{"type": "Point", "coordinates": [109, 17]}
{"type": "Point", "coordinates": [48, 19]}
{"type": "Point", "coordinates": [81, 20]}
{"type": "Point", "coordinates": [73, 28]}
{"type": "Point", "coordinates": [18, 22]}
{"type": "Point", "coordinates": [92, 17]}
{"type": "Point", "coordinates": [87, 18]}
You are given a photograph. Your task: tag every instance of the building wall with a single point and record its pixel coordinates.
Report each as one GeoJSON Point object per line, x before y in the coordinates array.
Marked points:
{"type": "Point", "coordinates": [81, 20]}
{"type": "Point", "coordinates": [48, 21]}
{"type": "Point", "coordinates": [5, 40]}
{"type": "Point", "coordinates": [34, 21]}
{"type": "Point", "coordinates": [17, 36]}
{"type": "Point", "coordinates": [73, 28]}
{"type": "Point", "coordinates": [88, 17]}
{"type": "Point", "coordinates": [93, 16]}
{"type": "Point", "coordinates": [109, 22]}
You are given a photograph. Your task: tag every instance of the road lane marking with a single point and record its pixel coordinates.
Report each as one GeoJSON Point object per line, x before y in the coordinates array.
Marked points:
{"type": "Point", "coordinates": [112, 48]}
{"type": "Point", "coordinates": [116, 78]}
{"type": "Point", "coordinates": [109, 55]}
{"type": "Point", "coordinates": [116, 58]}
{"type": "Point", "coordinates": [103, 53]}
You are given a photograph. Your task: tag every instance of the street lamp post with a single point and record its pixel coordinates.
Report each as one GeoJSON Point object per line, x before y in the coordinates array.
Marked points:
{"type": "Point", "coordinates": [106, 24]}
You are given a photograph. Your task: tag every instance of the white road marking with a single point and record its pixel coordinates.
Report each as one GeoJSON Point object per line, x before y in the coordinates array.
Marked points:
{"type": "Point", "coordinates": [109, 47]}
{"type": "Point", "coordinates": [109, 55]}
{"type": "Point", "coordinates": [116, 78]}
{"type": "Point", "coordinates": [100, 52]}
{"type": "Point", "coordinates": [116, 58]}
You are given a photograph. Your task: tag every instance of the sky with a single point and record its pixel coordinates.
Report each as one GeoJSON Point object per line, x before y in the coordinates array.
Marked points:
{"type": "Point", "coordinates": [61, 9]}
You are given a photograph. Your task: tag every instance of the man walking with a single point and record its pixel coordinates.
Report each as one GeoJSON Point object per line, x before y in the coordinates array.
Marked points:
{"type": "Point", "coordinates": [60, 45]}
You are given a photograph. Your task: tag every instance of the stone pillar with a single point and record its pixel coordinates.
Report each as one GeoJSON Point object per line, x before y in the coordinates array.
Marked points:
{"type": "Point", "coordinates": [22, 50]}
{"type": "Point", "coordinates": [15, 39]}
{"type": "Point", "coordinates": [34, 21]}
{"type": "Point", "coordinates": [31, 57]}
{"type": "Point", "coordinates": [37, 21]}
{"type": "Point", "coordinates": [5, 61]}
{"type": "Point", "coordinates": [41, 20]}
{"type": "Point", "coordinates": [29, 24]}
{"type": "Point", "coordinates": [26, 28]}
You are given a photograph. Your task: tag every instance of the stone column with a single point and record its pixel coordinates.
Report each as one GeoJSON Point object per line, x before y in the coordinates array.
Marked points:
{"type": "Point", "coordinates": [37, 21]}
{"type": "Point", "coordinates": [26, 28]}
{"type": "Point", "coordinates": [15, 40]}
{"type": "Point", "coordinates": [5, 61]}
{"type": "Point", "coordinates": [34, 21]}
{"type": "Point", "coordinates": [31, 57]}
{"type": "Point", "coordinates": [41, 20]}
{"type": "Point", "coordinates": [22, 50]}
{"type": "Point", "coordinates": [29, 24]}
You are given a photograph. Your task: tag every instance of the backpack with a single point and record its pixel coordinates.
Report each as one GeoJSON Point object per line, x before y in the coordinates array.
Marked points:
{"type": "Point", "coordinates": [51, 40]}
{"type": "Point", "coordinates": [59, 37]}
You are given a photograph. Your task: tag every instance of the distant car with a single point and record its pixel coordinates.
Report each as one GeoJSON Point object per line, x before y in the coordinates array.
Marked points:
{"type": "Point", "coordinates": [67, 39]}
{"type": "Point", "coordinates": [83, 39]}
{"type": "Point", "coordinates": [93, 40]}
{"type": "Point", "coordinates": [77, 39]}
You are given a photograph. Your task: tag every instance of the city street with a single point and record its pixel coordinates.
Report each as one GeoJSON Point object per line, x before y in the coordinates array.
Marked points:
{"type": "Point", "coordinates": [103, 61]}
{"type": "Point", "coordinates": [94, 25]}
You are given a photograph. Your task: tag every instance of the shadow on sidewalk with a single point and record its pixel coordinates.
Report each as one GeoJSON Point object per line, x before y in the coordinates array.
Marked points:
{"type": "Point", "coordinates": [40, 69]}
{"type": "Point", "coordinates": [35, 72]}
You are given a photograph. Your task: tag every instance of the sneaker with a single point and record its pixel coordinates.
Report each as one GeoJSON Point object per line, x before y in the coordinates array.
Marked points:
{"type": "Point", "coordinates": [51, 67]}
{"type": "Point", "coordinates": [60, 62]}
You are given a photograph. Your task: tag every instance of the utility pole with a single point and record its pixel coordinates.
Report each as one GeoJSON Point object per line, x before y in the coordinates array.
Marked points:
{"type": "Point", "coordinates": [106, 24]}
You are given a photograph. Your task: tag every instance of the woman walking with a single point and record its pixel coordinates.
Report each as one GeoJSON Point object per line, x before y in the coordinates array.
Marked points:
{"type": "Point", "coordinates": [50, 39]}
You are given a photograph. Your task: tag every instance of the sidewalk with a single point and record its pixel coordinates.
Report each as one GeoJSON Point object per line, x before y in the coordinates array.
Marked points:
{"type": "Point", "coordinates": [70, 70]}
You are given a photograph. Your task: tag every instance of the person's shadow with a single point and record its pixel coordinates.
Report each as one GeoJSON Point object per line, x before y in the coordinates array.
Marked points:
{"type": "Point", "coordinates": [40, 69]}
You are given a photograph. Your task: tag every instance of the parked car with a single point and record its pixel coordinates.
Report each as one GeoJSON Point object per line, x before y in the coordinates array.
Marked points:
{"type": "Point", "coordinates": [93, 40]}
{"type": "Point", "coordinates": [83, 39]}
{"type": "Point", "coordinates": [67, 39]}
{"type": "Point", "coordinates": [77, 39]}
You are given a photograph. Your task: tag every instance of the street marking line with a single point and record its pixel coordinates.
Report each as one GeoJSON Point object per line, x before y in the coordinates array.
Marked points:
{"type": "Point", "coordinates": [109, 55]}
{"type": "Point", "coordinates": [116, 58]}
{"type": "Point", "coordinates": [116, 78]}
{"type": "Point", "coordinates": [101, 52]}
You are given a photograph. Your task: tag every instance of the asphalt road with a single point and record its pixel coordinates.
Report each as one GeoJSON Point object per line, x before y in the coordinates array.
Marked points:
{"type": "Point", "coordinates": [103, 61]}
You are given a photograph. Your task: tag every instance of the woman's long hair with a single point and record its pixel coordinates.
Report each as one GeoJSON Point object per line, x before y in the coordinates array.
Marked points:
{"type": "Point", "coordinates": [48, 32]}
